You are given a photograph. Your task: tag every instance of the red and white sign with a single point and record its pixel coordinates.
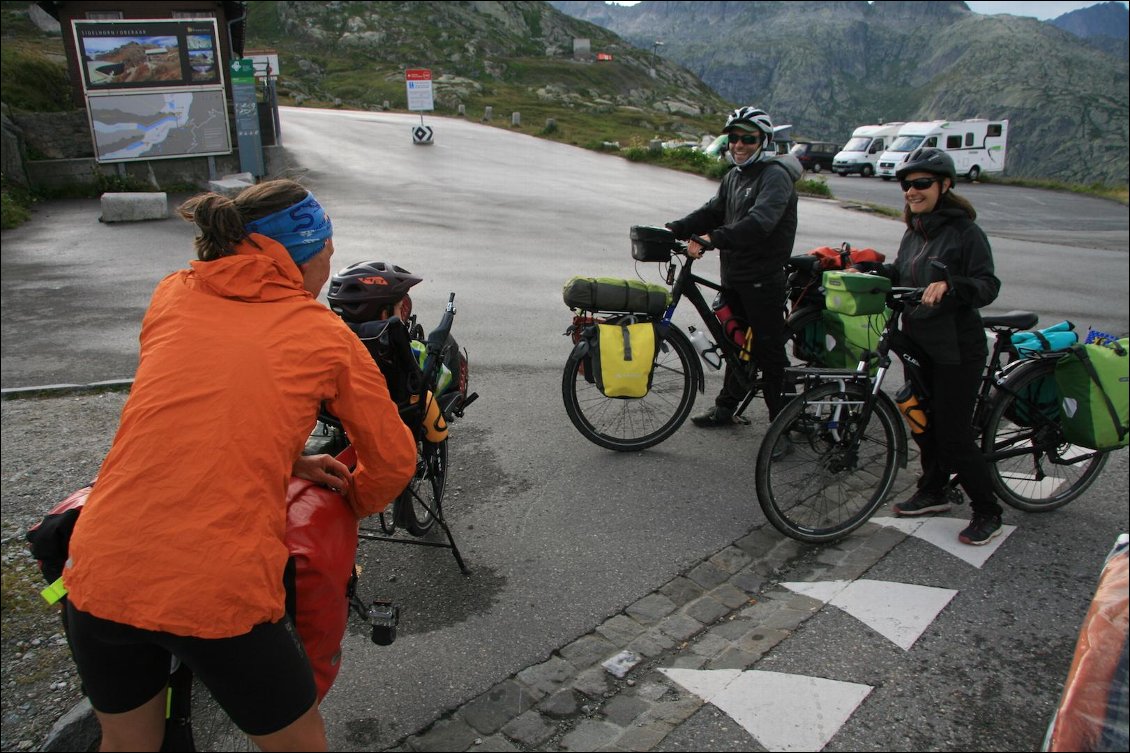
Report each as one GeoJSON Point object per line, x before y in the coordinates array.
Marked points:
{"type": "Point", "coordinates": [419, 82]}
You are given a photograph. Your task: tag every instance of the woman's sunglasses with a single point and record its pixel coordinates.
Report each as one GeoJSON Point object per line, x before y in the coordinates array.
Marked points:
{"type": "Point", "coordinates": [745, 138]}
{"type": "Point", "coordinates": [919, 184]}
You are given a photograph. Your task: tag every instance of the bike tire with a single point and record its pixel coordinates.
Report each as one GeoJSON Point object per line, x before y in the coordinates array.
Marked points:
{"type": "Point", "coordinates": [796, 327]}
{"type": "Point", "coordinates": [419, 505]}
{"type": "Point", "coordinates": [212, 728]}
{"type": "Point", "coordinates": [631, 424]}
{"type": "Point", "coordinates": [1025, 414]}
{"type": "Point", "coordinates": [809, 493]}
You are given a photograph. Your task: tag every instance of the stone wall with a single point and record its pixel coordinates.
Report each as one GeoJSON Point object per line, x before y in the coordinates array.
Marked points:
{"type": "Point", "coordinates": [55, 135]}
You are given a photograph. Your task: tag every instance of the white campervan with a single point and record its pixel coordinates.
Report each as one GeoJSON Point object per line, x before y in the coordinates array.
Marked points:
{"type": "Point", "coordinates": [861, 153]}
{"type": "Point", "coordinates": [977, 146]}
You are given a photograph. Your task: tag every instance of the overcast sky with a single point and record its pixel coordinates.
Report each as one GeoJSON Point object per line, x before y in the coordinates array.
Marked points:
{"type": "Point", "coordinates": [1043, 9]}
{"type": "Point", "coordinates": [1040, 9]}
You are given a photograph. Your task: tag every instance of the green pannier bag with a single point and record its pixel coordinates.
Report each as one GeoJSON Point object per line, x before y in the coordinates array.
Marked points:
{"type": "Point", "coordinates": [616, 295]}
{"type": "Point", "coordinates": [846, 337]}
{"type": "Point", "coordinates": [855, 294]}
{"type": "Point", "coordinates": [1094, 386]}
{"type": "Point", "coordinates": [624, 359]}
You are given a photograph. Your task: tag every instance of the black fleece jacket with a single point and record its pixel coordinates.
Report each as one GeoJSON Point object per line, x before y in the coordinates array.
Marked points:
{"type": "Point", "coordinates": [950, 332]}
{"type": "Point", "coordinates": [751, 220]}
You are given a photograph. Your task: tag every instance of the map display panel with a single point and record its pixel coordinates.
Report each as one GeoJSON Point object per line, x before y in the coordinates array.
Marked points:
{"type": "Point", "coordinates": [159, 125]}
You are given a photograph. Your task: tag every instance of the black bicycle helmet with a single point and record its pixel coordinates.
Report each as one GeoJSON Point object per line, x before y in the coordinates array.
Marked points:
{"type": "Point", "coordinates": [928, 159]}
{"type": "Point", "coordinates": [364, 291]}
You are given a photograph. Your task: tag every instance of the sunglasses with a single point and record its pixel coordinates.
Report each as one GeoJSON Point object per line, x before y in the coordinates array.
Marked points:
{"type": "Point", "coordinates": [919, 184]}
{"type": "Point", "coordinates": [745, 138]}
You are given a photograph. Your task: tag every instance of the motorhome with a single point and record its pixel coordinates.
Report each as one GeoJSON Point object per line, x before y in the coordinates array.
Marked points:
{"type": "Point", "coordinates": [861, 153]}
{"type": "Point", "coordinates": [977, 146]}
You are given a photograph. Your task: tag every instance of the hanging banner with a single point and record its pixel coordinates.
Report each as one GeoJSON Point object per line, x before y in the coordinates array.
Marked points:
{"type": "Point", "coordinates": [419, 81]}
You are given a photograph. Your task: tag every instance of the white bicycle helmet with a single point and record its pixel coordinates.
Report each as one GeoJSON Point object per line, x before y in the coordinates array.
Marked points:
{"type": "Point", "coordinates": [752, 119]}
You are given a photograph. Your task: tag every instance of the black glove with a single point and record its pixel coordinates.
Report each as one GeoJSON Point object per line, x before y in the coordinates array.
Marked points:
{"type": "Point", "coordinates": [680, 231]}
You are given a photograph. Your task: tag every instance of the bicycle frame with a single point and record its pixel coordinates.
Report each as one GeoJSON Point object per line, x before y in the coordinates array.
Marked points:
{"type": "Point", "coordinates": [739, 360]}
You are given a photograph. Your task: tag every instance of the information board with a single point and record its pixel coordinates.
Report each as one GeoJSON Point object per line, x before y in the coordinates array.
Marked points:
{"type": "Point", "coordinates": [419, 81]}
{"type": "Point", "coordinates": [159, 125]}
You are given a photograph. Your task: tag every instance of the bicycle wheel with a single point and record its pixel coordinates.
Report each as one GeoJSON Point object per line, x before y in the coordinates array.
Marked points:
{"type": "Point", "coordinates": [815, 490]}
{"type": "Point", "coordinates": [212, 729]}
{"type": "Point", "coordinates": [627, 424]}
{"type": "Point", "coordinates": [417, 506]}
{"type": "Point", "coordinates": [804, 331]}
{"type": "Point", "coordinates": [1032, 466]}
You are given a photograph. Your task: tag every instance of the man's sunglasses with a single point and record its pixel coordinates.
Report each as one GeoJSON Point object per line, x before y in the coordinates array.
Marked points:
{"type": "Point", "coordinates": [920, 184]}
{"type": "Point", "coordinates": [745, 138]}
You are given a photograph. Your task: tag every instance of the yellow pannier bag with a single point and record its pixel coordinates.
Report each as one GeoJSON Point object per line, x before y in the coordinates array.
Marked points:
{"type": "Point", "coordinates": [624, 359]}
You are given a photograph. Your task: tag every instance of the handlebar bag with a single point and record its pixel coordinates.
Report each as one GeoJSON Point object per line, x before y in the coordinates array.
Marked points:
{"type": "Point", "coordinates": [624, 359]}
{"type": "Point", "coordinates": [613, 294]}
{"type": "Point", "coordinates": [855, 294]}
{"type": "Point", "coordinates": [1094, 402]}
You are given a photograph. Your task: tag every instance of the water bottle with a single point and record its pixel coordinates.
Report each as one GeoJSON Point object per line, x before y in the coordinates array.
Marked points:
{"type": "Point", "coordinates": [912, 409]}
{"type": "Point", "coordinates": [705, 348]}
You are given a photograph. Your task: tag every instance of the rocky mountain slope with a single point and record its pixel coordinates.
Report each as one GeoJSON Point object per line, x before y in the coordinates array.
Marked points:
{"type": "Point", "coordinates": [508, 55]}
{"type": "Point", "coordinates": [827, 67]}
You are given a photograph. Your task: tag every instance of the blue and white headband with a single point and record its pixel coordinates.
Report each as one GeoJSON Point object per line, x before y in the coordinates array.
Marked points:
{"type": "Point", "coordinates": [303, 228]}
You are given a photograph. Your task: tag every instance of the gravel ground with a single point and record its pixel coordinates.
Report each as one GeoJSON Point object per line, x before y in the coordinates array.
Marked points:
{"type": "Point", "coordinates": [51, 447]}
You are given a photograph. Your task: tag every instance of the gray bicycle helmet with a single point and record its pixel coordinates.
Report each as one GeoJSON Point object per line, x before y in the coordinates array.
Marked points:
{"type": "Point", "coordinates": [366, 290]}
{"type": "Point", "coordinates": [749, 119]}
{"type": "Point", "coordinates": [928, 159]}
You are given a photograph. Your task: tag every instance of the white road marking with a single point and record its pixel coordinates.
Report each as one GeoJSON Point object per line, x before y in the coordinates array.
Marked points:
{"type": "Point", "coordinates": [783, 712]}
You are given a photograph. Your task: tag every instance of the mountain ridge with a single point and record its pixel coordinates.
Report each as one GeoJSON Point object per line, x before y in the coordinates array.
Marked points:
{"type": "Point", "coordinates": [827, 67]}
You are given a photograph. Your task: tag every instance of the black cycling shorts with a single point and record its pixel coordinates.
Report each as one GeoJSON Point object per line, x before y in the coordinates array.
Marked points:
{"type": "Point", "coordinates": [262, 679]}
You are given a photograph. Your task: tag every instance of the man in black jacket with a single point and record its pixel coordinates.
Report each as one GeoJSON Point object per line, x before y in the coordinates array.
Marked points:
{"type": "Point", "coordinates": [752, 221]}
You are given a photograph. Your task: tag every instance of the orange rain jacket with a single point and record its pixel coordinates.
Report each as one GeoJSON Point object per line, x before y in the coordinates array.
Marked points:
{"type": "Point", "coordinates": [184, 530]}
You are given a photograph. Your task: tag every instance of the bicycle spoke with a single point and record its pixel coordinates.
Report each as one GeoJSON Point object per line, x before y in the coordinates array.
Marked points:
{"type": "Point", "coordinates": [824, 487]}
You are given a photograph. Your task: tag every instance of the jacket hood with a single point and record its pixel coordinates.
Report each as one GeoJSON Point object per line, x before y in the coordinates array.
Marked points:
{"type": "Point", "coordinates": [260, 270]}
{"type": "Point", "coordinates": [791, 164]}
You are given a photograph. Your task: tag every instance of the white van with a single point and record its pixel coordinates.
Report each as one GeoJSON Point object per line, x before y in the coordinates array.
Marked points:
{"type": "Point", "coordinates": [861, 153]}
{"type": "Point", "coordinates": [977, 146]}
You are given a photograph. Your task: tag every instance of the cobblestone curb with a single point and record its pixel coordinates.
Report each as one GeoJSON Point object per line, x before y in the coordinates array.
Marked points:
{"type": "Point", "coordinates": [726, 612]}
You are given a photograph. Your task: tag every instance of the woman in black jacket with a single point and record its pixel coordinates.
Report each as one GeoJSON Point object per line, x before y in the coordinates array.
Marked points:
{"type": "Point", "coordinates": [946, 334]}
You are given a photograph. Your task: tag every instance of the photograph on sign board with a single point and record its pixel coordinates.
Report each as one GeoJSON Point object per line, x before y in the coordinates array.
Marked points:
{"type": "Point", "coordinates": [147, 54]}
{"type": "Point", "coordinates": [132, 59]}
{"type": "Point", "coordinates": [201, 57]}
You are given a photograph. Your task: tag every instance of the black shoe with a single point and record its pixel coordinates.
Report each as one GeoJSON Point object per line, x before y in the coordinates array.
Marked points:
{"type": "Point", "coordinates": [716, 416]}
{"type": "Point", "coordinates": [981, 530]}
{"type": "Point", "coordinates": [923, 503]}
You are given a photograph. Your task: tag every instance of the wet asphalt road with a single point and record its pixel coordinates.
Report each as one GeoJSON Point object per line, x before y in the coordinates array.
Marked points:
{"type": "Point", "coordinates": [559, 533]}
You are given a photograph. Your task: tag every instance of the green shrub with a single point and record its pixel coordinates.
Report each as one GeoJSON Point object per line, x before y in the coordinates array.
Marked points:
{"type": "Point", "coordinates": [814, 187]}
{"type": "Point", "coordinates": [13, 209]}
{"type": "Point", "coordinates": [33, 83]}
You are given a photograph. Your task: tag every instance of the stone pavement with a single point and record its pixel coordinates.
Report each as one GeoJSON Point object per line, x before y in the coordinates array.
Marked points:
{"type": "Point", "coordinates": [726, 612]}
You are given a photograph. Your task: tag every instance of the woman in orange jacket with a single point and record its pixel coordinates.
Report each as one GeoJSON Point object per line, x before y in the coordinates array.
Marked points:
{"type": "Point", "coordinates": [180, 548]}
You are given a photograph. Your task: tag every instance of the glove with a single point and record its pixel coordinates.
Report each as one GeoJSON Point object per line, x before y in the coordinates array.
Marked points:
{"type": "Point", "coordinates": [676, 227]}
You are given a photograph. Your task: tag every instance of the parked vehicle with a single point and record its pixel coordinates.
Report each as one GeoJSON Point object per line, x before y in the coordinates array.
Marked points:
{"type": "Point", "coordinates": [861, 153]}
{"type": "Point", "coordinates": [815, 155]}
{"type": "Point", "coordinates": [977, 146]}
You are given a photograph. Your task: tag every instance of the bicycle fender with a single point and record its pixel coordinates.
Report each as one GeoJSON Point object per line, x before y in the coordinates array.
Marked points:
{"type": "Point", "coordinates": [696, 363]}
{"type": "Point", "coordinates": [902, 451]}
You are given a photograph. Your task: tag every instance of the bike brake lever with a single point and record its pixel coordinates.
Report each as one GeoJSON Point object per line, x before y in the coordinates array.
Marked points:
{"type": "Point", "coordinates": [706, 245]}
